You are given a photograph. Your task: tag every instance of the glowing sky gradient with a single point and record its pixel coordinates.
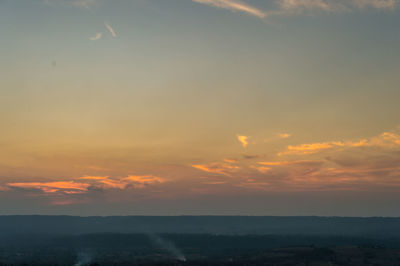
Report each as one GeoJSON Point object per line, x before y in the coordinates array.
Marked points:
{"type": "Point", "coordinates": [251, 107]}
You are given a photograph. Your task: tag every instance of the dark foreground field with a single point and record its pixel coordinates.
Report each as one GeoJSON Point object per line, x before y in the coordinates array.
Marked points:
{"type": "Point", "coordinates": [197, 249]}
{"type": "Point", "coordinates": [49, 240]}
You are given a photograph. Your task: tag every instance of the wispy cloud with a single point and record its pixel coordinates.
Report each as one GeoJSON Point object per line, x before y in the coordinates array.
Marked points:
{"type": "Point", "coordinates": [301, 5]}
{"type": "Point", "coordinates": [142, 181]}
{"type": "Point", "coordinates": [86, 183]}
{"type": "Point", "coordinates": [235, 5]}
{"type": "Point", "coordinates": [217, 168]}
{"type": "Point", "coordinates": [96, 37]}
{"type": "Point", "coordinates": [74, 3]}
{"type": "Point", "coordinates": [243, 139]}
{"type": "Point", "coordinates": [110, 29]}
{"type": "Point", "coordinates": [325, 166]}
{"type": "Point", "coordinates": [67, 187]}
{"type": "Point", "coordinates": [334, 5]}
{"type": "Point", "coordinates": [233, 161]}
{"type": "Point", "coordinates": [296, 7]}
{"type": "Point", "coordinates": [391, 137]}
{"type": "Point", "coordinates": [386, 139]}
{"type": "Point", "coordinates": [284, 163]}
{"type": "Point", "coordinates": [93, 177]}
{"type": "Point", "coordinates": [83, 3]}
{"type": "Point", "coordinates": [380, 4]}
{"type": "Point", "coordinates": [99, 35]}
{"type": "Point", "coordinates": [284, 135]}
{"type": "Point", "coordinates": [134, 181]}
{"type": "Point", "coordinates": [309, 148]}
{"type": "Point", "coordinates": [261, 169]}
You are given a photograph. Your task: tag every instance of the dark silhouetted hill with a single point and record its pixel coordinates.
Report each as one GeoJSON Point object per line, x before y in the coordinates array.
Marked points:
{"type": "Point", "coordinates": [227, 225]}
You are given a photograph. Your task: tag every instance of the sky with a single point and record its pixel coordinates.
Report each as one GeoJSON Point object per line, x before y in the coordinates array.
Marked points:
{"type": "Point", "coordinates": [200, 107]}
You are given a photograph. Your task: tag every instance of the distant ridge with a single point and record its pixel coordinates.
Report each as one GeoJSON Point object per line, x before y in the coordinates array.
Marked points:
{"type": "Point", "coordinates": [387, 227]}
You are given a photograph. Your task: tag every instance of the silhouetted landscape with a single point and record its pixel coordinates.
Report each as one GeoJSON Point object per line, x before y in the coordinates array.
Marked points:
{"type": "Point", "coordinates": [225, 225]}
{"type": "Point", "coordinates": [198, 240]}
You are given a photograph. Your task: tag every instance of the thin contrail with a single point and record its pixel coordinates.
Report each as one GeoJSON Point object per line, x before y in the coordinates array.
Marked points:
{"type": "Point", "coordinates": [111, 30]}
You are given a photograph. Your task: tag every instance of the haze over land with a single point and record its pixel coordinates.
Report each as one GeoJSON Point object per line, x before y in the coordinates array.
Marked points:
{"type": "Point", "coordinates": [198, 240]}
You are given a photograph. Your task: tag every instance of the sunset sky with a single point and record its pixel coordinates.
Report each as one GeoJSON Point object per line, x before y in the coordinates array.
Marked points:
{"type": "Point", "coordinates": [186, 107]}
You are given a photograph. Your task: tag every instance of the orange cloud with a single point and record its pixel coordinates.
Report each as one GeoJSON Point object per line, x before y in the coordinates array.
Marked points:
{"type": "Point", "coordinates": [230, 161]}
{"type": "Point", "coordinates": [391, 137]}
{"type": "Point", "coordinates": [281, 163]}
{"type": "Point", "coordinates": [308, 148]}
{"type": "Point", "coordinates": [284, 135]}
{"type": "Point", "coordinates": [217, 168]}
{"type": "Point", "coordinates": [93, 177]}
{"type": "Point", "coordinates": [111, 183]}
{"type": "Point", "coordinates": [361, 143]}
{"type": "Point", "coordinates": [214, 183]}
{"type": "Point", "coordinates": [275, 163]}
{"type": "Point", "coordinates": [386, 139]}
{"type": "Point", "coordinates": [67, 187]}
{"type": "Point", "coordinates": [349, 166]}
{"type": "Point", "coordinates": [144, 180]}
{"type": "Point", "coordinates": [312, 148]}
{"type": "Point", "coordinates": [262, 169]}
{"type": "Point", "coordinates": [104, 182]}
{"type": "Point", "coordinates": [243, 140]}
{"type": "Point", "coordinates": [125, 182]}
